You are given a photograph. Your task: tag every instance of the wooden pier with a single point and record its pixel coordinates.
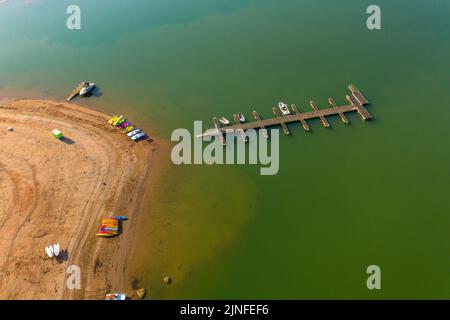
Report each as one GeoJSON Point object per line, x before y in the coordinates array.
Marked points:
{"type": "Point", "coordinates": [76, 90]}
{"type": "Point", "coordinates": [324, 121]}
{"type": "Point", "coordinates": [217, 126]}
{"type": "Point", "coordinates": [341, 115]}
{"type": "Point", "coordinates": [241, 131]}
{"type": "Point", "coordinates": [277, 115]}
{"type": "Point", "coordinates": [303, 122]}
{"type": "Point", "coordinates": [264, 132]}
{"type": "Point", "coordinates": [356, 99]}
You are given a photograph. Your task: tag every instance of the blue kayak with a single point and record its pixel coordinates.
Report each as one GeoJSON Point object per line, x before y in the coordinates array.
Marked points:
{"type": "Point", "coordinates": [121, 218]}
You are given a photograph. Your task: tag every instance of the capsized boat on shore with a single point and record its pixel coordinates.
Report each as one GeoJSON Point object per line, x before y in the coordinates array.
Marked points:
{"type": "Point", "coordinates": [56, 249]}
{"type": "Point", "coordinates": [49, 251]}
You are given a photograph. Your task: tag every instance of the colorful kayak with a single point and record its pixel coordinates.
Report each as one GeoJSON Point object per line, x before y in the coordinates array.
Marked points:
{"type": "Point", "coordinates": [120, 121]}
{"type": "Point", "coordinates": [113, 119]}
{"type": "Point", "coordinates": [109, 227]}
{"type": "Point", "coordinates": [117, 122]}
{"type": "Point", "coordinates": [105, 235]}
{"type": "Point", "coordinates": [128, 129]}
{"type": "Point", "coordinates": [116, 296]}
{"type": "Point", "coordinates": [124, 125]}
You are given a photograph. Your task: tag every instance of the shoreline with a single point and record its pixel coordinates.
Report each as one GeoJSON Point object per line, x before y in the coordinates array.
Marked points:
{"type": "Point", "coordinates": [97, 163]}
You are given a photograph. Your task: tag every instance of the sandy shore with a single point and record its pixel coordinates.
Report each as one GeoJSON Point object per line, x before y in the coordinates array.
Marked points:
{"type": "Point", "coordinates": [57, 191]}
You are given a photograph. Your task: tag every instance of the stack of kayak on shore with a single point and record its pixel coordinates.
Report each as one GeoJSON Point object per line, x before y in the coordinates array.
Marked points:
{"type": "Point", "coordinates": [110, 227]}
{"type": "Point", "coordinates": [133, 132]}
{"type": "Point", "coordinates": [116, 296]}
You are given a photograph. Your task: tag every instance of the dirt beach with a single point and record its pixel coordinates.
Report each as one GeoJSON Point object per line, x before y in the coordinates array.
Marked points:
{"type": "Point", "coordinates": [57, 191]}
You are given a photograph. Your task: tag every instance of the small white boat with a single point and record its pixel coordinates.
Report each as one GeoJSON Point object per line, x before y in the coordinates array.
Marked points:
{"type": "Point", "coordinates": [49, 251]}
{"type": "Point", "coordinates": [241, 117]}
{"type": "Point", "coordinates": [56, 249]}
{"type": "Point", "coordinates": [138, 136]}
{"type": "Point", "coordinates": [132, 133]}
{"type": "Point", "coordinates": [284, 108]}
{"type": "Point", "coordinates": [224, 121]}
{"type": "Point", "coordinates": [87, 89]}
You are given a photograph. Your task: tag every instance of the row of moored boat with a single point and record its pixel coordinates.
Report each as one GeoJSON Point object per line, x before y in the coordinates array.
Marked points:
{"type": "Point", "coordinates": [133, 132]}
{"type": "Point", "coordinates": [281, 105]}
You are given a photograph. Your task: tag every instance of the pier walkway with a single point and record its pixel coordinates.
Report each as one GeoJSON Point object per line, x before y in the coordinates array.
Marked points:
{"type": "Point", "coordinates": [357, 103]}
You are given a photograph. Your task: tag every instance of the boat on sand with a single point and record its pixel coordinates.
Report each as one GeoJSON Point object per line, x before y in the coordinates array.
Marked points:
{"type": "Point", "coordinates": [56, 249]}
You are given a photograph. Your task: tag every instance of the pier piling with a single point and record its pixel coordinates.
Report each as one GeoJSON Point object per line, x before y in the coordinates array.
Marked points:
{"type": "Point", "coordinates": [278, 116]}
{"type": "Point", "coordinates": [324, 121]}
{"type": "Point", "coordinates": [303, 122]}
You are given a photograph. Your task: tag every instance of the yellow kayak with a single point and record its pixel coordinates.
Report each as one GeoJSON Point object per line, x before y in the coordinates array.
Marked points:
{"type": "Point", "coordinates": [106, 235]}
{"type": "Point", "coordinates": [113, 119]}
{"type": "Point", "coordinates": [128, 129]}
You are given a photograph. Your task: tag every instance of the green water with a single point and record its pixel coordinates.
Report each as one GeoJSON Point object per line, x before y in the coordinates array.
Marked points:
{"type": "Point", "coordinates": [344, 198]}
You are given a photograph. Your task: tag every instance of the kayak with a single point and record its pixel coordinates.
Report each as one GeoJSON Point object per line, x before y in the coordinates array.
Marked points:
{"type": "Point", "coordinates": [124, 124]}
{"type": "Point", "coordinates": [56, 249]}
{"type": "Point", "coordinates": [116, 123]}
{"type": "Point", "coordinates": [119, 122]}
{"type": "Point", "coordinates": [115, 296]}
{"type": "Point", "coordinates": [113, 119]}
{"type": "Point", "coordinates": [128, 129]}
{"type": "Point", "coordinates": [105, 235]}
{"type": "Point", "coordinates": [49, 251]}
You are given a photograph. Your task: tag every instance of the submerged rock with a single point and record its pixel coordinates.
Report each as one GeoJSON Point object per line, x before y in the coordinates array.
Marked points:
{"type": "Point", "coordinates": [141, 293]}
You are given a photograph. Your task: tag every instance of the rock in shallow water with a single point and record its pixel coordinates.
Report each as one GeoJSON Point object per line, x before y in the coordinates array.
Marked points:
{"type": "Point", "coordinates": [141, 293]}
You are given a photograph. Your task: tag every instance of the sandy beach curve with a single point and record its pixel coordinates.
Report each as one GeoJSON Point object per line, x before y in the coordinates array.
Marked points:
{"type": "Point", "coordinates": [57, 191]}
